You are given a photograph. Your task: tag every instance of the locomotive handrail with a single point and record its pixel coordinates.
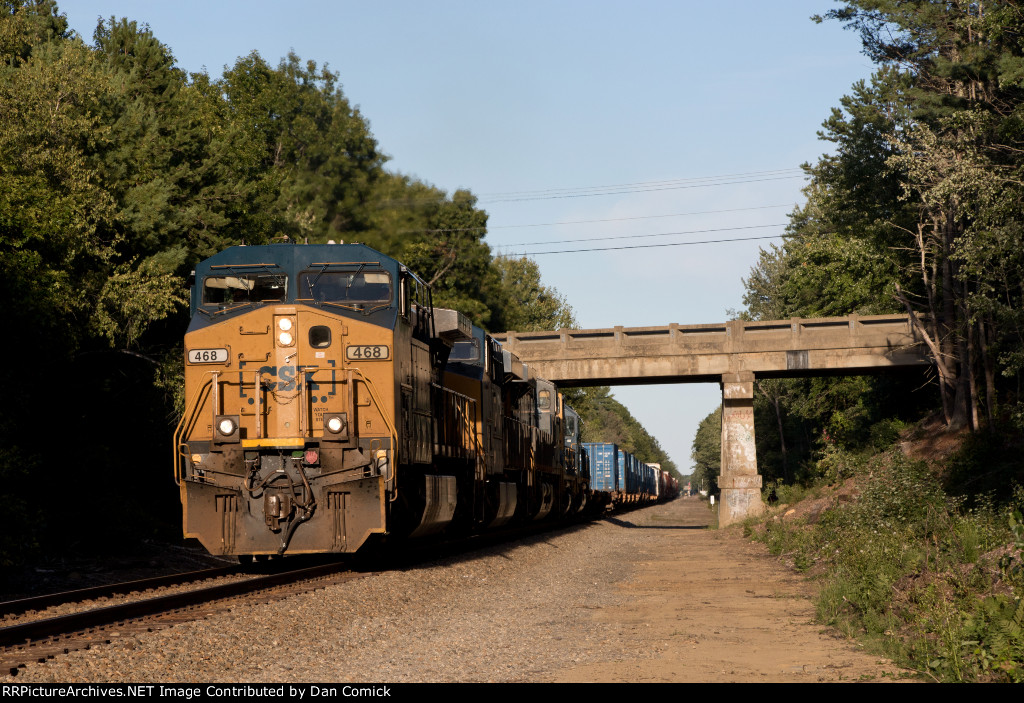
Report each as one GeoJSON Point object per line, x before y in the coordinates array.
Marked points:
{"type": "Point", "coordinates": [478, 447]}
{"type": "Point", "coordinates": [190, 416]}
{"type": "Point", "coordinates": [467, 427]}
{"type": "Point", "coordinates": [387, 421]}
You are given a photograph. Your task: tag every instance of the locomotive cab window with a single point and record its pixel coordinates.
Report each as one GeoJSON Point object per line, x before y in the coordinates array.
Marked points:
{"type": "Point", "coordinates": [224, 291]}
{"type": "Point", "coordinates": [416, 305]}
{"type": "Point", "coordinates": [544, 401]}
{"type": "Point", "coordinates": [320, 337]}
{"type": "Point", "coordinates": [465, 351]}
{"type": "Point", "coordinates": [345, 286]}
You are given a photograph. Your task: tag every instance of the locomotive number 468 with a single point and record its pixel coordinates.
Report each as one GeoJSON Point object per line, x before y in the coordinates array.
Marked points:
{"type": "Point", "coordinates": [365, 352]}
{"type": "Point", "coordinates": [207, 356]}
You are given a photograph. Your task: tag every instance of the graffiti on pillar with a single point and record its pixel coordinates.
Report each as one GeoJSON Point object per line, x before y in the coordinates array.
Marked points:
{"type": "Point", "coordinates": [739, 447]}
{"type": "Point", "coordinates": [738, 501]}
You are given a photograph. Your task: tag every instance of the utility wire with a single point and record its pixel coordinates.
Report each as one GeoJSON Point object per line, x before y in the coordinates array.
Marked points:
{"type": "Point", "coordinates": [641, 236]}
{"type": "Point", "coordinates": [587, 222]}
{"type": "Point", "coordinates": [638, 190]}
{"type": "Point", "coordinates": [615, 189]}
{"type": "Point", "coordinates": [670, 181]}
{"type": "Point", "coordinates": [651, 246]}
{"type": "Point", "coordinates": [644, 217]}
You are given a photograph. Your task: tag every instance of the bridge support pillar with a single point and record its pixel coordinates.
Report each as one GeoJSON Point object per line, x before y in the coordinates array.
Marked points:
{"type": "Point", "coordinates": [739, 481]}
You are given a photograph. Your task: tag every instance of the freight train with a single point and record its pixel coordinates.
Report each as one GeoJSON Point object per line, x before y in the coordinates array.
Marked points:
{"type": "Point", "coordinates": [329, 403]}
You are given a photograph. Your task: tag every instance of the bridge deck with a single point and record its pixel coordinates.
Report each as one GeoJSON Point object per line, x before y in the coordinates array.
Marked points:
{"type": "Point", "coordinates": [701, 353]}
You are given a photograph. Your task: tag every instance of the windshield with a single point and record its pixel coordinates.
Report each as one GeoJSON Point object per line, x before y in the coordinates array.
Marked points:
{"type": "Point", "coordinates": [346, 286]}
{"type": "Point", "coordinates": [465, 351]}
{"type": "Point", "coordinates": [244, 288]}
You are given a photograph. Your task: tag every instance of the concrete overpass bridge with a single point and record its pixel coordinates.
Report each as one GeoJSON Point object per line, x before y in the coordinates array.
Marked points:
{"type": "Point", "coordinates": [731, 353]}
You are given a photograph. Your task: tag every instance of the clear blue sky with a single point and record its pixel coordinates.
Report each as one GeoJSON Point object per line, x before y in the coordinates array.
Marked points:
{"type": "Point", "coordinates": [555, 97]}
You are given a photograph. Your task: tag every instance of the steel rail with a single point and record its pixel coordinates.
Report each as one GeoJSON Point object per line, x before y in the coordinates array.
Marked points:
{"type": "Point", "coordinates": [26, 633]}
{"type": "Point", "coordinates": [24, 605]}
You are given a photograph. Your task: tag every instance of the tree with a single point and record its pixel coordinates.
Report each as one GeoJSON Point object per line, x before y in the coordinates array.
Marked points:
{"type": "Point", "coordinates": [526, 304]}
{"type": "Point", "coordinates": [707, 451]}
{"type": "Point", "coordinates": [450, 254]}
{"type": "Point", "coordinates": [318, 148]}
{"type": "Point", "coordinates": [26, 24]}
{"type": "Point", "coordinates": [961, 170]}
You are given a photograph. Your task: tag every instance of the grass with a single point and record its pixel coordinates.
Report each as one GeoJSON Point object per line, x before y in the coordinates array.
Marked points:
{"type": "Point", "coordinates": [929, 580]}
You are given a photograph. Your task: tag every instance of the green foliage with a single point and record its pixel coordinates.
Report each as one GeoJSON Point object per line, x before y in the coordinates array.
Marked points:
{"type": "Point", "coordinates": [313, 142]}
{"type": "Point", "coordinates": [132, 299]}
{"type": "Point", "coordinates": [26, 24]}
{"type": "Point", "coordinates": [835, 464]}
{"type": "Point", "coordinates": [451, 256]}
{"type": "Point", "coordinates": [788, 494]}
{"type": "Point", "coordinates": [706, 452]}
{"type": "Point", "coordinates": [885, 433]}
{"type": "Point", "coordinates": [914, 571]}
{"type": "Point", "coordinates": [527, 304]}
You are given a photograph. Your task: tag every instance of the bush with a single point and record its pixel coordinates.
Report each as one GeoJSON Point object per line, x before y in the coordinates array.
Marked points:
{"type": "Point", "coordinates": [914, 571]}
{"type": "Point", "coordinates": [884, 434]}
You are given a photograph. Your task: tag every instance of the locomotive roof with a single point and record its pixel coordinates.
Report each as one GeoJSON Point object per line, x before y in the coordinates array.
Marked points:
{"type": "Point", "coordinates": [291, 260]}
{"type": "Point", "coordinates": [295, 257]}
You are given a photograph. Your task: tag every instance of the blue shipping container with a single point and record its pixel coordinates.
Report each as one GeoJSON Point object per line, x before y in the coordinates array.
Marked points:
{"type": "Point", "coordinates": [604, 462]}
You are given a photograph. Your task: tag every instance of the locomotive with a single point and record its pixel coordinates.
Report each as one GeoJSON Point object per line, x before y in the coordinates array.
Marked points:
{"type": "Point", "coordinates": [329, 403]}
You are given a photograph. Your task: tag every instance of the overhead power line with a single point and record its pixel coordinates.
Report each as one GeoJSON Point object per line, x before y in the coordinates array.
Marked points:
{"type": "Point", "coordinates": [638, 184]}
{"type": "Point", "coordinates": [640, 190]}
{"type": "Point", "coordinates": [612, 189]}
{"type": "Point", "coordinates": [587, 222]}
{"type": "Point", "coordinates": [641, 236]}
{"type": "Point", "coordinates": [651, 246]}
{"type": "Point", "coordinates": [643, 217]}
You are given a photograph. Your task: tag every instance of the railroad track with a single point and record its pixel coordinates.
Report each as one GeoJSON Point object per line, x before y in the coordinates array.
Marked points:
{"type": "Point", "coordinates": [39, 640]}
{"type": "Point", "coordinates": [50, 600]}
{"type": "Point", "coordinates": [42, 639]}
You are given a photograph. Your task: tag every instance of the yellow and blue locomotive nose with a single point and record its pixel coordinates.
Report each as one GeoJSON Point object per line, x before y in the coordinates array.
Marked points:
{"type": "Point", "coordinates": [291, 395]}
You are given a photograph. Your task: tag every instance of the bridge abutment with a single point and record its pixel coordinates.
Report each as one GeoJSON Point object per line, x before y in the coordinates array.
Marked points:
{"type": "Point", "coordinates": [739, 482]}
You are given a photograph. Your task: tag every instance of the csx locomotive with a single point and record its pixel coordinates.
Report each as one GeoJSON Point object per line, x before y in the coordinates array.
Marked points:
{"type": "Point", "coordinates": [328, 402]}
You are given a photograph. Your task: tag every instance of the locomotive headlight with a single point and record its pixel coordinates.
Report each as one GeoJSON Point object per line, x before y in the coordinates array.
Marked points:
{"type": "Point", "coordinates": [335, 427]}
{"type": "Point", "coordinates": [285, 338]}
{"type": "Point", "coordinates": [228, 429]}
{"type": "Point", "coordinates": [284, 324]}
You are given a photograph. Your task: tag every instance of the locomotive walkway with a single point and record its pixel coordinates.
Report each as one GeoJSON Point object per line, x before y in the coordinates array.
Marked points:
{"type": "Point", "coordinates": [733, 354]}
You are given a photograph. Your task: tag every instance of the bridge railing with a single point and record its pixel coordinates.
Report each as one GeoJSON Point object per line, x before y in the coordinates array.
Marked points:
{"type": "Point", "coordinates": [735, 335]}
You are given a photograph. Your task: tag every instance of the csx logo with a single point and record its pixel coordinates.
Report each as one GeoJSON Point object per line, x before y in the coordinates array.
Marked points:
{"type": "Point", "coordinates": [287, 375]}
{"type": "Point", "coordinates": [283, 379]}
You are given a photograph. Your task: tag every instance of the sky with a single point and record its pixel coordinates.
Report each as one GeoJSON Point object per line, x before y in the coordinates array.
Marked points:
{"type": "Point", "coordinates": [622, 123]}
